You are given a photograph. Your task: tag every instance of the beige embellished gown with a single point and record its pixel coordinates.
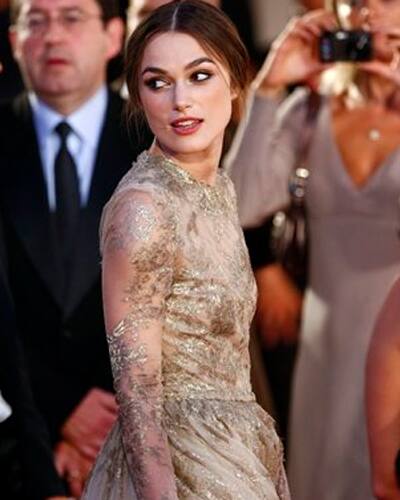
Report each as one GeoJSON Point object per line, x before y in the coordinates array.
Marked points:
{"type": "Point", "coordinates": [189, 426]}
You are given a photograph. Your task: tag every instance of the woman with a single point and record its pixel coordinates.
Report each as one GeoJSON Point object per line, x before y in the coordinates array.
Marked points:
{"type": "Point", "coordinates": [383, 399]}
{"type": "Point", "coordinates": [353, 212]}
{"type": "Point", "coordinates": [178, 292]}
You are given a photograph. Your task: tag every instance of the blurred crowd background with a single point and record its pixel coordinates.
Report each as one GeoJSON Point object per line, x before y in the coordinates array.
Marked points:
{"type": "Point", "coordinates": [343, 294]}
{"type": "Point", "coordinates": [259, 21]}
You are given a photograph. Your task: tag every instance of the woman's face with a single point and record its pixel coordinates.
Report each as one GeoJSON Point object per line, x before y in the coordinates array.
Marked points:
{"type": "Point", "coordinates": [385, 11]}
{"type": "Point", "coordinates": [186, 95]}
{"type": "Point", "coordinates": [354, 14]}
{"type": "Point", "coordinates": [383, 16]}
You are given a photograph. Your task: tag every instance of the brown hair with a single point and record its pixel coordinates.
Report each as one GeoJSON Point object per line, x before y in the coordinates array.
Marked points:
{"type": "Point", "coordinates": [109, 9]}
{"type": "Point", "coordinates": [212, 29]}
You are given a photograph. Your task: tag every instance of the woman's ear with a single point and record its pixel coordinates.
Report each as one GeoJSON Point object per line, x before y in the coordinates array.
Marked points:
{"type": "Point", "coordinates": [238, 104]}
{"type": "Point", "coordinates": [234, 92]}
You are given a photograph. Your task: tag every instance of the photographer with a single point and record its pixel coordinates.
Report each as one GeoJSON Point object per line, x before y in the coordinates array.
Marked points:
{"type": "Point", "coordinates": [353, 220]}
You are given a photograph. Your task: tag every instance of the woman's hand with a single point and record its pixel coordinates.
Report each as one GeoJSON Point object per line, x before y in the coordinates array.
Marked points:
{"type": "Point", "coordinates": [279, 306]}
{"type": "Point", "coordinates": [294, 56]}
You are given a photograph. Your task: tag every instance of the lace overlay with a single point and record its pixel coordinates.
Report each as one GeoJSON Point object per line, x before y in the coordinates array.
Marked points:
{"type": "Point", "coordinates": [189, 427]}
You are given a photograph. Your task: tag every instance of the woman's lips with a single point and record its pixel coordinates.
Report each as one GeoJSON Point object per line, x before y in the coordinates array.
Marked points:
{"type": "Point", "coordinates": [186, 126]}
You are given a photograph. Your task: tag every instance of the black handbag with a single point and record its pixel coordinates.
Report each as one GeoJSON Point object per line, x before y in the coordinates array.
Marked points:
{"type": "Point", "coordinates": [289, 232]}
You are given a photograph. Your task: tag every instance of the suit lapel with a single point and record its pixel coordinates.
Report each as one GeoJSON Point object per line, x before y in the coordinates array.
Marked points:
{"type": "Point", "coordinates": [25, 198]}
{"type": "Point", "coordinates": [114, 158]}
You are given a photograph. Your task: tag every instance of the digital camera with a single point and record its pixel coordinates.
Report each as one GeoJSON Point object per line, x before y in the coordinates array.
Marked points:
{"type": "Point", "coordinates": [345, 45]}
{"type": "Point", "coordinates": [350, 42]}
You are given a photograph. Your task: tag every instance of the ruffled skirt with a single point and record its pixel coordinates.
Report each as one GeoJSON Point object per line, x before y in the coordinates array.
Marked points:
{"type": "Point", "coordinates": [221, 450]}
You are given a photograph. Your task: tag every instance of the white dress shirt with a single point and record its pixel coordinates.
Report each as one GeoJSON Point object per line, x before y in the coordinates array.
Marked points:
{"type": "Point", "coordinates": [5, 410]}
{"type": "Point", "coordinates": [86, 124]}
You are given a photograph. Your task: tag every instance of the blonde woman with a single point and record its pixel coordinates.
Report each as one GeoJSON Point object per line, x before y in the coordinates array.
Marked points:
{"type": "Point", "coordinates": [353, 214]}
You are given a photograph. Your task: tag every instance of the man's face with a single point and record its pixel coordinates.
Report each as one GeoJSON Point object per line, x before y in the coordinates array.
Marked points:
{"type": "Point", "coordinates": [63, 46]}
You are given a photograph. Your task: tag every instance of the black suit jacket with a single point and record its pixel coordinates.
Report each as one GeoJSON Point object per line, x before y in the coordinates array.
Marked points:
{"type": "Point", "coordinates": [65, 343]}
{"type": "Point", "coordinates": [25, 428]}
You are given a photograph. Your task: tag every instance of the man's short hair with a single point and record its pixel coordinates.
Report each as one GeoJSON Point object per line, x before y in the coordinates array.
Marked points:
{"type": "Point", "coordinates": [109, 9]}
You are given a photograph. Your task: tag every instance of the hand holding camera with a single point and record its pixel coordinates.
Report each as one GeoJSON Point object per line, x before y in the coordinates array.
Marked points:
{"type": "Point", "coordinates": [312, 43]}
{"type": "Point", "coordinates": [293, 57]}
{"type": "Point", "coordinates": [351, 42]}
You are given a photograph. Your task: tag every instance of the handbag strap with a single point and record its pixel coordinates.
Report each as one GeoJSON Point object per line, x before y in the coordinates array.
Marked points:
{"type": "Point", "coordinates": [301, 172]}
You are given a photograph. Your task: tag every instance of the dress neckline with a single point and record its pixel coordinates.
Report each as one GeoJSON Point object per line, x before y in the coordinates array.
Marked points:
{"type": "Point", "coordinates": [379, 171]}
{"type": "Point", "coordinates": [184, 175]}
{"type": "Point", "coordinates": [213, 199]}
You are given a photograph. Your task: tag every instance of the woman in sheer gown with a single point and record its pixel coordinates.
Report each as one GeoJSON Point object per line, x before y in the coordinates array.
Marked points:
{"type": "Point", "coordinates": [352, 201]}
{"type": "Point", "coordinates": [178, 291]}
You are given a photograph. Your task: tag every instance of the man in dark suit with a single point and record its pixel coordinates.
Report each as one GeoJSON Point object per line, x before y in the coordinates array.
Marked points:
{"type": "Point", "coordinates": [63, 149]}
{"type": "Point", "coordinates": [26, 462]}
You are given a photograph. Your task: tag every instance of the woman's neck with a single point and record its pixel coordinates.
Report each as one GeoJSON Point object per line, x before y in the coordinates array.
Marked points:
{"type": "Point", "coordinates": [377, 90]}
{"type": "Point", "coordinates": [202, 165]}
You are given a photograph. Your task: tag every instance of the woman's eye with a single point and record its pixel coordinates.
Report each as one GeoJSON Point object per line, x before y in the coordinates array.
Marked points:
{"type": "Point", "coordinates": [156, 83]}
{"type": "Point", "coordinates": [200, 76]}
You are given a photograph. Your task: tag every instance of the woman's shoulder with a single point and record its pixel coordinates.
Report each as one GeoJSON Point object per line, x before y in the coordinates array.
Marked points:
{"type": "Point", "coordinates": [138, 198]}
{"type": "Point", "coordinates": [226, 192]}
{"type": "Point", "coordinates": [142, 176]}
{"type": "Point", "coordinates": [292, 113]}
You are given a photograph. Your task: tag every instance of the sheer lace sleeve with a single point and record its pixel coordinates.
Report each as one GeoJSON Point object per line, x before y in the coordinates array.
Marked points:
{"type": "Point", "coordinates": [138, 257]}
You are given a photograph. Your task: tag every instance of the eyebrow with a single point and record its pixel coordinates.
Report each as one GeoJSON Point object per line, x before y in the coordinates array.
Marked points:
{"type": "Point", "coordinates": [38, 10]}
{"type": "Point", "coordinates": [193, 64]}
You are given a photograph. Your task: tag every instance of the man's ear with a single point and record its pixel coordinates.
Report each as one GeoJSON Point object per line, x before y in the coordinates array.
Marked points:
{"type": "Point", "coordinates": [13, 39]}
{"type": "Point", "coordinates": [116, 31]}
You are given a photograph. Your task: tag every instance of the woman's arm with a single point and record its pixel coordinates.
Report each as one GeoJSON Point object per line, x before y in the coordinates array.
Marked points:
{"type": "Point", "coordinates": [266, 144]}
{"type": "Point", "coordinates": [138, 262]}
{"type": "Point", "coordinates": [263, 155]}
{"type": "Point", "coordinates": [383, 398]}
{"type": "Point", "coordinates": [249, 163]}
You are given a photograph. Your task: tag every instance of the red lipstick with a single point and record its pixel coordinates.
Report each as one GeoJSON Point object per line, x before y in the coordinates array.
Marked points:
{"type": "Point", "coordinates": [186, 126]}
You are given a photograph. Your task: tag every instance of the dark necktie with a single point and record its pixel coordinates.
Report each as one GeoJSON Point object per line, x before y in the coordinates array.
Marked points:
{"type": "Point", "coordinates": [67, 198]}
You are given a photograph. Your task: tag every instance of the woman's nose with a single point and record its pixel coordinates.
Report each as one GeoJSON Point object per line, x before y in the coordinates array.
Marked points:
{"type": "Point", "coordinates": [182, 98]}
{"type": "Point", "coordinates": [181, 106]}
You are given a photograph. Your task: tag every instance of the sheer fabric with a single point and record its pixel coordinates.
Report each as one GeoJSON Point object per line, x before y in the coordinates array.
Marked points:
{"type": "Point", "coordinates": [179, 298]}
